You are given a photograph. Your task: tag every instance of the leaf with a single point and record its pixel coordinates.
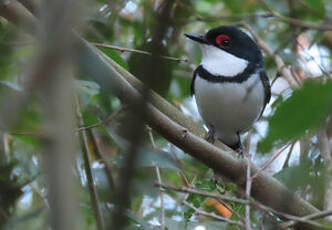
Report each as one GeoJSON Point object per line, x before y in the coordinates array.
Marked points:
{"type": "Point", "coordinates": [114, 55]}
{"type": "Point", "coordinates": [304, 110]}
{"type": "Point", "coordinates": [302, 175]}
{"type": "Point", "coordinates": [206, 184]}
{"type": "Point", "coordinates": [316, 5]}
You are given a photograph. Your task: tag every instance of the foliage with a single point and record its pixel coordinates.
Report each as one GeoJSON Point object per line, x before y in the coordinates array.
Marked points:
{"type": "Point", "coordinates": [293, 116]}
{"type": "Point", "coordinates": [305, 110]}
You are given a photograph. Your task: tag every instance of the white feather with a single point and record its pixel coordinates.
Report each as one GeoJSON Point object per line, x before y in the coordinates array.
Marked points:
{"type": "Point", "coordinates": [229, 107]}
{"type": "Point", "coordinates": [219, 62]}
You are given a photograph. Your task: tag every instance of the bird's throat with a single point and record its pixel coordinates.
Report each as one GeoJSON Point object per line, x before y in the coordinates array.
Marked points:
{"type": "Point", "coordinates": [221, 63]}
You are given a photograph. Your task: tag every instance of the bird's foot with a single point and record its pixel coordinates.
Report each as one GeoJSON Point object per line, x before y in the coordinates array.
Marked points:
{"type": "Point", "coordinates": [238, 148]}
{"type": "Point", "coordinates": [240, 151]}
{"type": "Point", "coordinates": [210, 135]}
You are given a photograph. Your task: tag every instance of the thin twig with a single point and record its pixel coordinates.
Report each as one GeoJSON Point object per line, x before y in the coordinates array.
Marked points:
{"type": "Point", "coordinates": [82, 128]}
{"type": "Point", "coordinates": [288, 155]}
{"type": "Point", "coordinates": [213, 215]}
{"type": "Point", "coordinates": [234, 17]}
{"type": "Point", "coordinates": [124, 49]}
{"type": "Point", "coordinates": [269, 161]}
{"type": "Point", "coordinates": [162, 206]}
{"type": "Point", "coordinates": [202, 193]}
{"type": "Point", "coordinates": [91, 185]}
{"type": "Point", "coordinates": [102, 158]}
{"type": "Point", "coordinates": [323, 145]}
{"type": "Point", "coordinates": [291, 217]}
{"type": "Point", "coordinates": [294, 21]}
{"type": "Point", "coordinates": [248, 183]}
{"type": "Point", "coordinates": [300, 23]}
{"type": "Point", "coordinates": [103, 122]}
{"type": "Point", "coordinates": [258, 205]}
{"type": "Point", "coordinates": [308, 217]}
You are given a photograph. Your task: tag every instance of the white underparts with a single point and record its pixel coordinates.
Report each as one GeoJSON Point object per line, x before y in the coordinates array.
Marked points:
{"type": "Point", "coordinates": [220, 63]}
{"type": "Point", "coordinates": [230, 107]}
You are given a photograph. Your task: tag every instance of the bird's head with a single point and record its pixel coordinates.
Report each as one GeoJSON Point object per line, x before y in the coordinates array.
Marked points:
{"type": "Point", "coordinates": [227, 47]}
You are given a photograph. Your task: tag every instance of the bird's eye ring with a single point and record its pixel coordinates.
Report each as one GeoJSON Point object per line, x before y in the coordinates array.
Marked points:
{"type": "Point", "coordinates": [223, 40]}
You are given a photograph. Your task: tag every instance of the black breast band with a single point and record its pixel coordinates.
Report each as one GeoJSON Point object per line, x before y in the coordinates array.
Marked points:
{"type": "Point", "coordinates": [203, 73]}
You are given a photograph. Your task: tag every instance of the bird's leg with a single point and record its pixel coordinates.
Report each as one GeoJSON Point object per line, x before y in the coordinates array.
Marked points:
{"type": "Point", "coordinates": [238, 146]}
{"type": "Point", "coordinates": [210, 134]}
{"type": "Point", "coordinates": [239, 150]}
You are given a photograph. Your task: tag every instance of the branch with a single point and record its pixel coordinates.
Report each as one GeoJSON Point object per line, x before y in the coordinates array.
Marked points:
{"type": "Point", "coordinates": [269, 161]}
{"type": "Point", "coordinates": [233, 17]}
{"type": "Point", "coordinates": [162, 206]}
{"type": "Point", "coordinates": [285, 165]}
{"type": "Point", "coordinates": [300, 23]}
{"type": "Point", "coordinates": [248, 184]}
{"type": "Point", "coordinates": [123, 49]}
{"type": "Point", "coordinates": [55, 67]}
{"type": "Point", "coordinates": [202, 193]}
{"type": "Point", "coordinates": [313, 224]}
{"type": "Point", "coordinates": [101, 157]}
{"type": "Point", "coordinates": [91, 184]}
{"type": "Point", "coordinates": [293, 219]}
{"type": "Point", "coordinates": [309, 217]}
{"type": "Point", "coordinates": [103, 122]}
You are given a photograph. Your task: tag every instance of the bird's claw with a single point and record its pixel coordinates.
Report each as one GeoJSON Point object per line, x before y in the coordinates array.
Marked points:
{"type": "Point", "coordinates": [210, 135]}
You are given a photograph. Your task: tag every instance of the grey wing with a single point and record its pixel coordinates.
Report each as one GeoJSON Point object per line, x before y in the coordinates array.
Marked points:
{"type": "Point", "coordinates": [267, 89]}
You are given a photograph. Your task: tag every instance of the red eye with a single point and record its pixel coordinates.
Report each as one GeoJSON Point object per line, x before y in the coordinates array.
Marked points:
{"type": "Point", "coordinates": [223, 40]}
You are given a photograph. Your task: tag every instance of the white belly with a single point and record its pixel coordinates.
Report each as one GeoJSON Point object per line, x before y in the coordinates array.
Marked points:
{"type": "Point", "coordinates": [230, 108]}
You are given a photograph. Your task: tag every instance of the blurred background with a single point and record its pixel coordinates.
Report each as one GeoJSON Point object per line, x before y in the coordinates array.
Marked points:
{"type": "Point", "coordinates": [74, 155]}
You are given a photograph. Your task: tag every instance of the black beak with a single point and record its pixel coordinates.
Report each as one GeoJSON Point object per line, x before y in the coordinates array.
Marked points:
{"type": "Point", "coordinates": [196, 37]}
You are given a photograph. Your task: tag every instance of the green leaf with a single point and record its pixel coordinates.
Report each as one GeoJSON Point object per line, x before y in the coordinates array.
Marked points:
{"type": "Point", "coordinates": [206, 184]}
{"type": "Point", "coordinates": [188, 213]}
{"type": "Point", "coordinates": [114, 55]}
{"type": "Point", "coordinates": [303, 174]}
{"type": "Point", "coordinates": [316, 5]}
{"type": "Point", "coordinates": [304, 110]}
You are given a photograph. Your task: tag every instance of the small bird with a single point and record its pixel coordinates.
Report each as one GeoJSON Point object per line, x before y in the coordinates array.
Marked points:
{"type": "Point", "coordinates": [230, 84]}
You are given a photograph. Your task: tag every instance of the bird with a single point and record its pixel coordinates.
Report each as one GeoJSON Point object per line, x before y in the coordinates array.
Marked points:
{"type": "Point", "coordinates": [230, 84]}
